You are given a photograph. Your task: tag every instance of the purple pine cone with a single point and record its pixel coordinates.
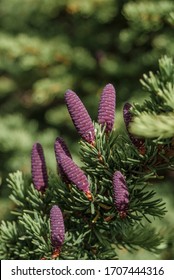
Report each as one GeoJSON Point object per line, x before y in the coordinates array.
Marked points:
{"type": "Point", "coordinates": [138, 142]}
{"type": "Point", "coordinates": [80, 117]}
{"type": "Point", "coordinates": [74, 174]}
{"type": "Point", "coordinates": [61, 147]}
{"type": "Point", "coordinates": [38, 168]}
{"type": "Point", "coordinates": [106, 111]}
{"type": "Point", "coordinates": [57, 228]}
{"type": "Point", "coordinates": [121, 194]}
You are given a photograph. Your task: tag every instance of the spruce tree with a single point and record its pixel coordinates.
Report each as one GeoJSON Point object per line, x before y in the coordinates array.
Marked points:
{"type": "Point", "coordinates": [90, 211]}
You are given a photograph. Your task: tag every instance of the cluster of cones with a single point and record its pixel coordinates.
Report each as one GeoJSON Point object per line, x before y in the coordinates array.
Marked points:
{"type": "Point", "coordinates": [69, 171]}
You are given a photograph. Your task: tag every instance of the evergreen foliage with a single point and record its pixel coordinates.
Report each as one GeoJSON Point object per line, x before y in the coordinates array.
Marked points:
{"type": "Point", "coordinates": [156, 116]}
{"type": "Point", "coordinates": [49, 45]}
{"type": "Point", "coordinates": [95, 228]}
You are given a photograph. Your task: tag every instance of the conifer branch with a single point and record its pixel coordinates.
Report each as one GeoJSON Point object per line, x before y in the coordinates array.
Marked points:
{"type": "Point", "coordinates": [154, 119]}
{"type": "Point", "coordinates": [89, 212]}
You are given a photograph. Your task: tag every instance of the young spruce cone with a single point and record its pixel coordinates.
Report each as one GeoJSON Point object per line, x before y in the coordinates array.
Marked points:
{"type": "Point", "coordinates": [74, 174]}
{"type": "Point", "coordinates": [120, 194]}
{"type": "Point", "coordinates": [38, 168]}
{"type": "Point", "coordinates": [57, 230]}
{"type": "Point", "coordinates": [138, 142]}
{"type": "Point", "coordinates": [61, 147]}
{"type": "Point", "coordinates": [80, 117]}
{"type": "Point", "coordinates": [106, 111]}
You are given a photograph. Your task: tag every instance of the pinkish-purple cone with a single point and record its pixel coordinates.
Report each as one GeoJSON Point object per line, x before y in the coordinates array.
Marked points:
{"type": "Point", "coordinates": [74, 174]}
{"type": "Point", "coordinates": [120, 193]}
{"type": "Point", "coordinates": [57, 227]}
{"type": "Point", "coordinates": [80, 117]}
{"type": "Point", "coordinates": [106, 111]}
{"type": "Point", "coordinates": [38, 168]}
{"type": "Point", "coordinates": [138, 142]}
{"type": "Point", "coordinates": [61, 147]}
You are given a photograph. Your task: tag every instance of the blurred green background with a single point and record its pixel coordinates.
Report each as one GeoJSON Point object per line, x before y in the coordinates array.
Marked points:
{"type": "Point", "coordinates": [48, 46]}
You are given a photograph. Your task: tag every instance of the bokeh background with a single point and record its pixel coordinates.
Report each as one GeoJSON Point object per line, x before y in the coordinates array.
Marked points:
{"type": "Point", "coordinates": [48, 46]}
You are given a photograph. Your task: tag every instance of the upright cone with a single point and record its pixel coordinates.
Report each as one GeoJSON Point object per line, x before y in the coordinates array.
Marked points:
{"type": "Point", "coordinates": [120, 194]}
{"type": "Point", "coordinates": [106, 111]}
{"type": "Point", "coordinates": [80, 117]}
{"type": "Point", "coordinates": [38, 168]}
{"type": "Point", "coordinates": [57, 230]}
